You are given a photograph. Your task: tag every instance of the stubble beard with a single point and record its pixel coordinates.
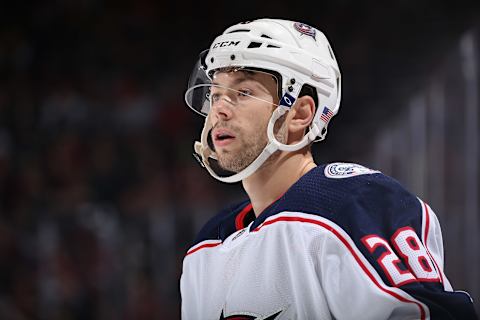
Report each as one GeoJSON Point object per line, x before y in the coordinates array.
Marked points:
{"type": "Point", "coordinates": [251, 147]}
{"type": "Point", "coordinates": [248, 150]}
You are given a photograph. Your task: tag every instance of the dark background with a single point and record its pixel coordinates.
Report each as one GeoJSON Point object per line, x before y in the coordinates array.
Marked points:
{"type": "Point", "coordinates": [99, 195]}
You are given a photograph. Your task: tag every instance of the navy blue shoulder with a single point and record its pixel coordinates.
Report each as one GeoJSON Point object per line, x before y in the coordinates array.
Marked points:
{"type": "Point", "coordinates": [364, 203]}
{"type": "Point", "coordinates": [221, 225]}
{"type": "Point", "coordinates": [352, 196]}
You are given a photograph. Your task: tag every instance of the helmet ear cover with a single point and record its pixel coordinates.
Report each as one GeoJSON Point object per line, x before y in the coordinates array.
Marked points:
{"type": "Point", "coordinates": [308, 90]}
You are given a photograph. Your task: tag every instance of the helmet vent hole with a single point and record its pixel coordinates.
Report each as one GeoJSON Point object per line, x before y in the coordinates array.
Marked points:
{"type": "Point", "coordinates": [254, 45]}
{"type": "Point", "coordinates": [272, 46]}
{"type": "Point", "coordinates": [240, 30]}
{"type": "Point", "coordinates": [265, 36]}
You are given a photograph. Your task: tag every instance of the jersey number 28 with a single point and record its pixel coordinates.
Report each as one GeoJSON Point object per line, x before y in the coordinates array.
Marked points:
{"type": "Point", "coordinates": [415, 263]}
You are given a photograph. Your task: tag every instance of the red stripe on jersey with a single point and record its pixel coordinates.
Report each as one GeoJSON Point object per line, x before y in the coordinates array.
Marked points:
{"type": "Point", "coordinates": [427, 227]}
{"type": "Point", "coordinates": [239, 219]}
{"type": "Point", "coordinates": [206, 245]}
{"type": "Point", "coordinates": [349, 247]}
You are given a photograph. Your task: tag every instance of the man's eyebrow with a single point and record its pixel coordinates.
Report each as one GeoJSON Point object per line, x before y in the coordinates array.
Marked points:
{"type": "Point", "coordinates": [235, 82]}
{"type": "Point", "coordinates": [245, 76]}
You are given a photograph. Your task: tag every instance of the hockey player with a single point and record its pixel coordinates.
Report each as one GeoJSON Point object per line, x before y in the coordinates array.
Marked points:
{"type": "Point", "coordinates": [335, 241]}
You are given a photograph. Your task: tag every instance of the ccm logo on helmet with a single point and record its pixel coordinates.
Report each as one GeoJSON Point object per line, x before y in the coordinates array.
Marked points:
{"type": "Point", "coordinates": [225, 44]}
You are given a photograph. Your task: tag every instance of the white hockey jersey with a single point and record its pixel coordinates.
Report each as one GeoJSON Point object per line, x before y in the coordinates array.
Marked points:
{"type": "Point", "coordinates": [344, 242]}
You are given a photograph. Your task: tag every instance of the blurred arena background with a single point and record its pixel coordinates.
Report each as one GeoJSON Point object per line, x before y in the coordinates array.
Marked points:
{"type": "Point", "coordinates": [99, 194]}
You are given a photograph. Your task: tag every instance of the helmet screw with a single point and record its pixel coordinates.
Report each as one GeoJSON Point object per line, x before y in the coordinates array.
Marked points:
{"type": "Point", "coordinates": [292, 81]}
{"type": "Point", "coordinates": [290, 88]}
{"type": "Point", "coordinates": [232, 57]}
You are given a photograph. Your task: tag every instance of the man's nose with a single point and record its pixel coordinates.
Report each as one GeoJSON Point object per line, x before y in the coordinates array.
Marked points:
{"type": "Point", "coordinates": [222, 108]}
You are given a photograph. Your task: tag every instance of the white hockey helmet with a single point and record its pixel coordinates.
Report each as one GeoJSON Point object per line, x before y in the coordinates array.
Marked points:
{"type": "Point", "coordinates": [295, 53]}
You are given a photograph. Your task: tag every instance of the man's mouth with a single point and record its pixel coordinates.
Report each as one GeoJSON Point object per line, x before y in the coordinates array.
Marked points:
{"type": "Point", "coordinates": [222, 137]}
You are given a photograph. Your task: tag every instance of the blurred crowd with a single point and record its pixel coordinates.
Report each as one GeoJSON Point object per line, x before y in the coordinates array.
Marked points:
{"type": "Point", "coordinates": [97, 204]}
{"type": "Point", "coordinates": [99, 194]}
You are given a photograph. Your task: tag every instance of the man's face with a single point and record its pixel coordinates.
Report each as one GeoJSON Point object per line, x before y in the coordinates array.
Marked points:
{"type": "Point", "coordinates": [239, 116]}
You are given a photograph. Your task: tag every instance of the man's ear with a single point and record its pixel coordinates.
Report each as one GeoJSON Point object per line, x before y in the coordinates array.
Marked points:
{"type": "Point", "coordinates": [302, 114]}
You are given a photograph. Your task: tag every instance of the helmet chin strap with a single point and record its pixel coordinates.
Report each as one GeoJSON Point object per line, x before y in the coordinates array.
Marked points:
{"type": "Point", "coordinates": [202, 148]}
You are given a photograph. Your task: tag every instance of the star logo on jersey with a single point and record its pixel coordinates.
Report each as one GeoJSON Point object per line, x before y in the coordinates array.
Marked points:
{"type": "Point", "coordinates": [248, 316]}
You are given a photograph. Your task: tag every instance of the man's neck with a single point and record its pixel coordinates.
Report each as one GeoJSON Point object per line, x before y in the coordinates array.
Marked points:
{"type": "Point", "coordinates": [272, 180]}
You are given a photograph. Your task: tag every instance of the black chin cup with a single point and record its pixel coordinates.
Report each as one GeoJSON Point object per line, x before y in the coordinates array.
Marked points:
{"type": "Point", "coordinates": [212, 162]}
{"type": "Point", "coordinates": [210, 140]}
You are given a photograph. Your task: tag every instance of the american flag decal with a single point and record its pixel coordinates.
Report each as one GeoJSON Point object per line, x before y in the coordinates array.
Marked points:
{"type": "Point", "coordinates": [326, 115]}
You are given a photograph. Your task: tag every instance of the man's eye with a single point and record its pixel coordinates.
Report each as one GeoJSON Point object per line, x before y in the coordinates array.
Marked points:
{"type": "Point", "coordinates": [244, 92]}
{"type": "Point", "coordinates": [214, 96]}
